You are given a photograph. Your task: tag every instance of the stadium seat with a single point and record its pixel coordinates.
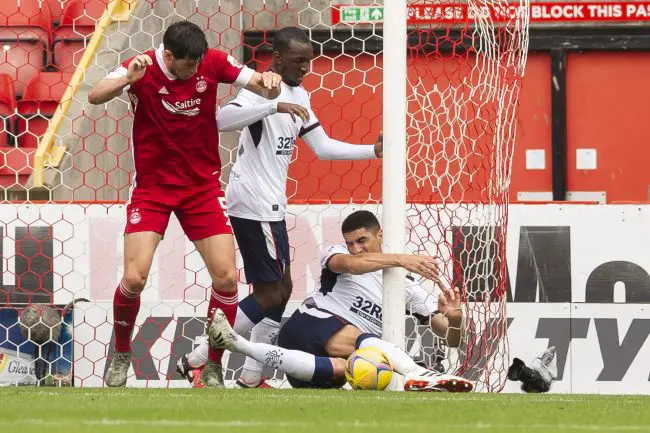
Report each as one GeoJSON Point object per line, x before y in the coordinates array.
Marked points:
{"type": "Point", "coordinates": [7, 109]}
{"type": "Point", "coordinates": [76, 26]}
{"type": "Point", "coordinates": [25, 35]}
{"type": "Point", "coordinates": [40, 100]}
{"type": "Point", "coordinates": [56, 9]}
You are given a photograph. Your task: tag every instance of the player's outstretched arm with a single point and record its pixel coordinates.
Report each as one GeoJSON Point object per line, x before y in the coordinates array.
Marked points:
{"type": "Point", "coordinates": [241, 113]}
{"type": "Point", "coordinates": [329, 149]}
{"type": "Point", "coordinates": [370, 262]}
{"type": "Point", "coordinates": [113, 85]}
{"type": "Point", "coordinates": [447, 323]}
{"type": "Point", "coordinates": [266, 84]}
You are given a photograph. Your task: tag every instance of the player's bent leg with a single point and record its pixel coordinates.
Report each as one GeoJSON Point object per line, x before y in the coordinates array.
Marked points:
{"type": "Point", "coordinates": [343, 342]}
{"type": "Point", "coordinates": [297, 364]}
{"type": "Point", "coordinates": [416, 378]}
{"type": "Point", "coordinates": [402, 362]}
{"type": "Point", "coordinates": [218, 253]}
{"type": "Point", "coordinates": [271, 297]}
{"type": "Point", "coordinates": [139, 249]}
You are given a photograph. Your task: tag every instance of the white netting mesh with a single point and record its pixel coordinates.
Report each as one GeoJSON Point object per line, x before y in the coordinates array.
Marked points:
{"type": "Point", "coordinates": [463, 86]}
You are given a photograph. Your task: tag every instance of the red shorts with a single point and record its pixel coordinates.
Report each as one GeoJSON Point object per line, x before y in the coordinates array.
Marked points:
{"type": "Point", "coordinates": [200, 210]}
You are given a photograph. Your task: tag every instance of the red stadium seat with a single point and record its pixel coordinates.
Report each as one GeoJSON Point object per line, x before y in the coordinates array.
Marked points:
{"type": "Point", "coordinates": [7, 109]}
{"type": "Point", "coordinates": [41, 98]}
{"type": "Point", "coordinates": [77, 25]}
{"type": "Point", "coordinates": [25, 34]}
{"type": "Point", "coordinates": [29, 20]}
{"type": "Point", "coordinates": [82, 13]}
{"type": "Point", "coordinates": [56, 9]}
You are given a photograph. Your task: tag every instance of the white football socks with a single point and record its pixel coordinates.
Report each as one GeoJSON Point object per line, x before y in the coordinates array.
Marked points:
{"type": "Point", "coordinates": [295, 363]}
{"type": "Point", "coordinates": [402, 362]}
{"type": "Point", "coordinates": [264, 332]}
{"type": "Point", "coordinates": [199, 356]}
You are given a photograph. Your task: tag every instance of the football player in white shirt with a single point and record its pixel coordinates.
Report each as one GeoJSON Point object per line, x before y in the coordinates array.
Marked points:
{"type": "Point", "coordinates": [256, 194]}
{"type": "Point", "coordinates": [346, 313]}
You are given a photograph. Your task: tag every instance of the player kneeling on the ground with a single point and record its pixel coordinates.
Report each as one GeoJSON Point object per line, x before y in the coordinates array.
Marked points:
{"type": "Point", "coordinates": [345, 315]}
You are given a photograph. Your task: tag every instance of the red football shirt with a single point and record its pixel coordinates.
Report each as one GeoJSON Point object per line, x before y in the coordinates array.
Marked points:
{"type": "Point", "coordinates": [175, 136]}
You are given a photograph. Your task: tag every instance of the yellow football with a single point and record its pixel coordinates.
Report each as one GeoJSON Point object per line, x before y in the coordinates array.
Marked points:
{"type": "Point", "coordinates": [369, 368]}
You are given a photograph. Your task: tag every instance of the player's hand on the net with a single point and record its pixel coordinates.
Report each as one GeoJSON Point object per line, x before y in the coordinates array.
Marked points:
{"type": "Point", "coordinates": [138, 67]}
{"type": "Point", "coordinates": [379, 146]}
{"type": "Point", "coordinates": [425, 266]}
{"type": "Point", "coordinates": [294, 110]}
{"type": "Point", "coordinates": [449, 302]}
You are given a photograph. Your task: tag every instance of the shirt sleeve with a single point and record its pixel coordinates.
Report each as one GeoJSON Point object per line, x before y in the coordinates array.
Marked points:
{"type": "Point", "coordinates": [243, 111]}
{"type": "Point", "coordinates": [229, 70]}
{"type": "Point", "coordinates": [418, 300]}
{"type": "Point", "coordinates": [120, 72]}
{"type": "Point", "coordinates": [331, 252]}
{"type": "Point", "coordinates": [311, 125]}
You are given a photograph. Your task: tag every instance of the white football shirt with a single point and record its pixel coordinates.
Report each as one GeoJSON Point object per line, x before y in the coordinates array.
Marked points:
{"type": "Point", "coordinates": [358, 298]}
{"type": "Point", "coordinates": [257, 188]}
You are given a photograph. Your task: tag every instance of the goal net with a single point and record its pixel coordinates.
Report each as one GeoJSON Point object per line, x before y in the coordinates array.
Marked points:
{"type": "Point", "coordinates": [68, 169]}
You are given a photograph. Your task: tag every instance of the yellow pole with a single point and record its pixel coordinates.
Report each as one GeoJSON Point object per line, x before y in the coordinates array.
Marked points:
{"type": "Point", "coordinates": [47, 154]}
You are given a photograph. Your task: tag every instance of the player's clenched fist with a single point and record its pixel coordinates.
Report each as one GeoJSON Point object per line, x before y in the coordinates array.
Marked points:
{"type": "Point", "coordinates": [271, 82]}
{"type": "Point", "coordinates": [137, 67]}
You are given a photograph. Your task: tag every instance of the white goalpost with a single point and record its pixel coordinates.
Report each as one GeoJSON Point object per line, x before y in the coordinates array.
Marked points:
{"type": "Point", "coordinates": [394, 166]}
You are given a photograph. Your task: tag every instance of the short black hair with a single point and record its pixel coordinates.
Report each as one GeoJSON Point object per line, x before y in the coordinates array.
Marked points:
{"type": "Point", "coordinates": [185, 40]}
{"type": "Point", "coordinates": [284, 36]}
{"type": "Point", "coordinates": [361, 219]}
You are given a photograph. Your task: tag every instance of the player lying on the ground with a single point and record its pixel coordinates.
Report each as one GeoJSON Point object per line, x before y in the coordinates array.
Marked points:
{"type": "Point", "coordinates": [173, 93]}
{"type": "Point", "coordinates": [256, 193]}
{"type": "Point", "coordinates": [305, 370]}
{"type": "Point", "coordinates": [346, 314]}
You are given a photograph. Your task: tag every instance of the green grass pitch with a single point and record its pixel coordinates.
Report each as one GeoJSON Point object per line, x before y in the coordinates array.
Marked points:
{"type": "Point", "coordinates": [25, 410]}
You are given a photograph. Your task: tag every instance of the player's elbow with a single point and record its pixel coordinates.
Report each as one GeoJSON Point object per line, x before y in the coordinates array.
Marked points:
{"type": "Point", "coordinates": [341, 264]}
{"type": "Point", "coordinates": [225, 126]}
{"type": "Point", "coordinates": [225, 120]}
{"type": "Point", "coordinates": [354, 268]}
{"type": "Point", "coordinates": [95, 98]}
{"type": "Point", "coordinates": [92, 97]}
{"type": "Point", "coordinates": [323, 155]}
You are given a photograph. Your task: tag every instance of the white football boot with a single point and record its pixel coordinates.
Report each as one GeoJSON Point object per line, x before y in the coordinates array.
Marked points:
{"type": "Point", "coordinates": [220, 333]}
{"type": "Point", "coordinates": [435, 382]}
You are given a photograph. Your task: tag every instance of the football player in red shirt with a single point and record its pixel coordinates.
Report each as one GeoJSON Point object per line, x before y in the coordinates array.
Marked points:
{"type": "Point", "coordinates": [173, 94]}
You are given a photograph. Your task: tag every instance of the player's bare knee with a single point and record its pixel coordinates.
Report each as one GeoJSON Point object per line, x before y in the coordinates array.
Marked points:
{"type": "Point", "coordinates": [275, 295]}
{"type": "Point", "coordinates": [225, 281]}
{"type": "Point", "coordinates": [269, 295]}
{"type": "Point", "coordinates": [134, 282]}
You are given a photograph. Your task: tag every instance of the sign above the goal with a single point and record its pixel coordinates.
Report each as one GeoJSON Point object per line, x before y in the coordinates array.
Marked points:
{"type": "Point", "coordinates": [445, 13]}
